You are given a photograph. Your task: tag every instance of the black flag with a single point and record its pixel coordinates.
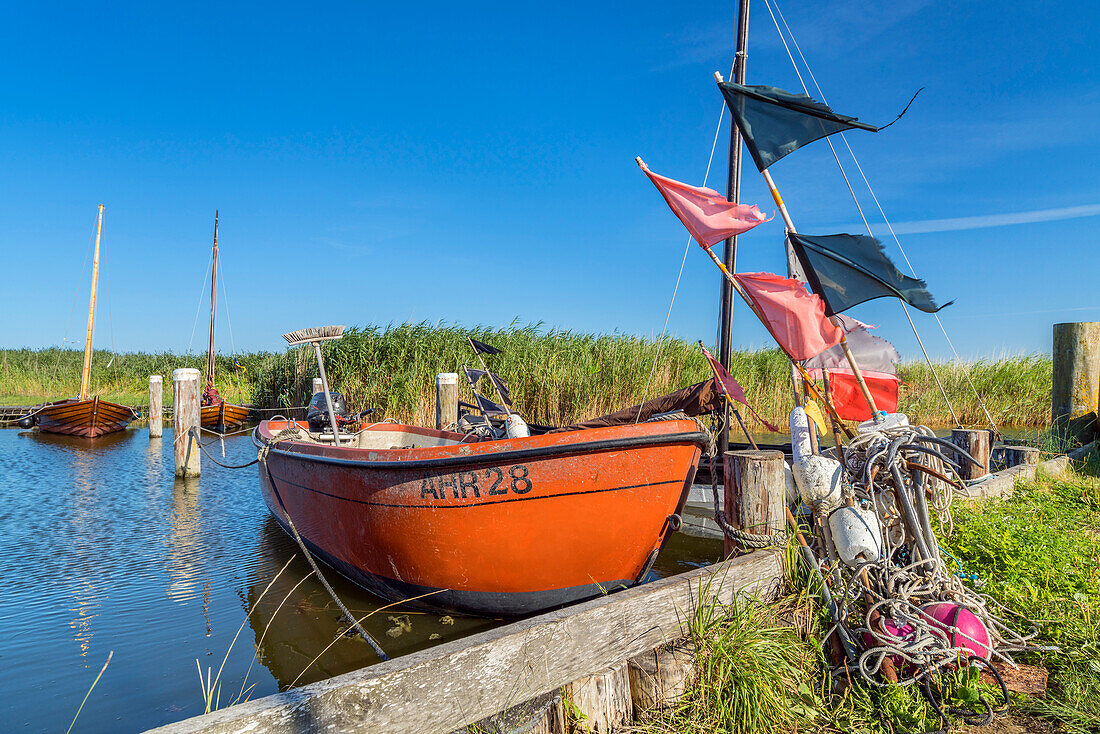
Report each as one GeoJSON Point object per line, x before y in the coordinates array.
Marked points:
{"type": "Point", "coordinates": [482, 347]}
{"type": "Point", "coordinates": [775, 123]}
{"type": "Point", "coordinates": [502, 387]}
{"type": "Point", "coordinates": [848, 269]}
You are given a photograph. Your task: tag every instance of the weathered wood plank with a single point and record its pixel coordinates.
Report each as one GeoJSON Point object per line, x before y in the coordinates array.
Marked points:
{"type": "Point", "coordinates": [449, 686]}
{"type": "Point", "coordinates": [156, 410]}
{"type": "Point", "coordinates": [601, 702]}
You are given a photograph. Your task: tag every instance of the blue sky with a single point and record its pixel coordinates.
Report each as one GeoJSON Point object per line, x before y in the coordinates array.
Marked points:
{"type": "Point", "coordinates": [378, 163]}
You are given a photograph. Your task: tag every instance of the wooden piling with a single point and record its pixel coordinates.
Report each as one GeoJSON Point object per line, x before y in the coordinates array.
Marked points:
{"type": "Point", "coordinates": [977, 443]}
{"type": "Point", "coordinates": [1075, 398]}
{"type": "Point", "coordinates": [1020, 456]}
{"type": "Point", "coordinates": [446, 400]}
{"type": "Point", "coordinates": [318, 386]}
{"type": "Point", "coordinates": [601, 703]}
{"type": "Point", "coordinates": [156, 406]}
{"type": "Point", "coordinates": [755, 496]}
{"type": "Point", "coordinates": [186, 415]}
{"type": "Point", "coordinates": [660, 677]}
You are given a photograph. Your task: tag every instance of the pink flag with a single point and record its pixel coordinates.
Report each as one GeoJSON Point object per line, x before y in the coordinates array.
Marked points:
{"type": "Point", "coordinates": [794, 316]}
{"type": "Point", "coordinates": [726, 381]}
{"type": "Point", "coordinates": [705, 212]}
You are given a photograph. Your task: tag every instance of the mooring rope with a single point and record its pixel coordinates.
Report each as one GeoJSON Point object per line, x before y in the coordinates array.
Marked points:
{"type": "Point", "coordinates": [265, 450]}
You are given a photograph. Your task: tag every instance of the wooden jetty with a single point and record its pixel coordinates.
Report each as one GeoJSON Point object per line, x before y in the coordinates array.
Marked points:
{"type": "Point", "coordinates": [439, 690]}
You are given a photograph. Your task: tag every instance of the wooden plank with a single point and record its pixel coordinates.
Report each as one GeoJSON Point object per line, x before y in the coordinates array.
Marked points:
{"type": "Point", "coordinates": [446, 687]}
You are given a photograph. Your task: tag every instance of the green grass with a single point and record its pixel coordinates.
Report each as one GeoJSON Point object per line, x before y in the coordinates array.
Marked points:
{"type": "Point", "coordinates": [1037, 552]}
{"type": "Point", "coordinates": [29, 376]}
{"type": "Point", "coordinates": [556, 376]}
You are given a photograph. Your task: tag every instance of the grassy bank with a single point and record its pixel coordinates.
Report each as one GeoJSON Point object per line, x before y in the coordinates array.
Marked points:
{"type": "Point", "coordinates": [1037, 552]}
{"type": "Point", "coordinates": [559, 376]}
{"type": "Point", "coordinates": [555, 376]}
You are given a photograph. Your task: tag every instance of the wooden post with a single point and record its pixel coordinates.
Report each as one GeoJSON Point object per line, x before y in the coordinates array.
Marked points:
{"type": "Point", "coordinates": [446, 400]}
{"type": "Point", "coordinates": [660, 677]}
{"type": "Point", "coordinates": [186, 414]}
{"type": "Point", "coordinates": [601, 702]}
{"type": "Point", "coordinates": [1020, 455]}
{"type": "Point", "coordinates": [1076, 393]}
{"type": "Point", "coordinates": [156, 407]}
{"type": "Point", "coordinates": [976, 442]}
{"type": "Point", "coordinates": [755, 494]}
{"type": "Point", "coordinates": [317, 386]}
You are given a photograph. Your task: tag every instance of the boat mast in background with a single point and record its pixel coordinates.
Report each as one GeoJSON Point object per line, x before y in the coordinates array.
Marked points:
{"type": "Point", "coordinates": [86, 372]}
{"type": "Point", "coordinates": [733, 193]}
{"type": "Point", "coordinates": [213, 288]}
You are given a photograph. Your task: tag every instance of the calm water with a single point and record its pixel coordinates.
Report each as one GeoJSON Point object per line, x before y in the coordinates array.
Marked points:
{"type": "Point", "coordinates": [102, 549]}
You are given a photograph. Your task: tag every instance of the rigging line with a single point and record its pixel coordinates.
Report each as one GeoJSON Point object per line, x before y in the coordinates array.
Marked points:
{"type": "Point", "coordinates": [76, 293]}
{"type": "Point", "coordinates": [676, 288]}
{"type": "Point", "coordinates": [199, 306]}
{"type": "Point", "coordinates": [897, 241]}
{"type": "Point", "coordinates": [855, 200]}
{"type": "Point", "coordinates": [232, 343]}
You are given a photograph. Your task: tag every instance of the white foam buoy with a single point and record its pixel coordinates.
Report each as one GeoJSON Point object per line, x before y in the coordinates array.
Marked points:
{"type": "Point", "coordinates": [515, 426]}
{"type": "Point", "coordinates": [856, 535]}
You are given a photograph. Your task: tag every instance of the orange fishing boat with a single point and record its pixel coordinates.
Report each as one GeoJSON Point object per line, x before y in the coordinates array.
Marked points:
{"type": "Point", "coordinates": [84, 416]}
{"type": "Point", "coordinates": [215, 412]}
{"type": "Point", "coordinates": [499, 527]}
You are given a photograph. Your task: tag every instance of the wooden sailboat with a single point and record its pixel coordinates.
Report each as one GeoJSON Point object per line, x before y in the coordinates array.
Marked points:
{"type": "Point", "coordinates": [86, 416]}
{"type": "Point", "coordinates": [216, 412]}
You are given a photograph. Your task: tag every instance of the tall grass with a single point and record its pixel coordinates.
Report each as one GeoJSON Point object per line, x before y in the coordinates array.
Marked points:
{"type": "Point", "coordinates": [33, 375]}
{"type": "Point", "coordinates": [556, 376]}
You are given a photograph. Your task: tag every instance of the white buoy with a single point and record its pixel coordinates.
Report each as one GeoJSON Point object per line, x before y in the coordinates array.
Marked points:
{"type": "Point", "coordinates": [857, 536]}
{"type": "Point", "coordinates": [515, 426]}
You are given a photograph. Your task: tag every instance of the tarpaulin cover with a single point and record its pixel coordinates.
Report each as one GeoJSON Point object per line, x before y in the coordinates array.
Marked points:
{"type": "Point", "coordinates": [795, 317]}
{"type": "Point", "coordinates": [698, 399]}
{"type": "Point", "coordinates": [705, 212]}
{"type": "Point", "coordinates": [774, 122]}
{"type": "Point", "coordinates": [848, 399]}
{"type": "Point", "coordinates": [848, 269]}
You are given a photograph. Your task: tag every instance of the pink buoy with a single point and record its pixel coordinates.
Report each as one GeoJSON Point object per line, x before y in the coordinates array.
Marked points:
{"type": "Point", "coordinates": [962, 626]}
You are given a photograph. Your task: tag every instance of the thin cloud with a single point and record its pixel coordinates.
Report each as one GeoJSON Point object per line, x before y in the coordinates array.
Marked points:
{"type": "Point", "coordinates": [986, 221]}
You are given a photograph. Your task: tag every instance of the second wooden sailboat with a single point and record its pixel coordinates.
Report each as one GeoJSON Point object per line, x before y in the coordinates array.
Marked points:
{"type": "Point", "coordinates": [216, 412]}
{"type": "Point", "coordinates": [86, 416]}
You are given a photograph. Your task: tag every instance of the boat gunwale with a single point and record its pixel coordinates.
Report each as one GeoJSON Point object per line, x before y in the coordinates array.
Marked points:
{"type": "Point", "coordinates": [698, 438]}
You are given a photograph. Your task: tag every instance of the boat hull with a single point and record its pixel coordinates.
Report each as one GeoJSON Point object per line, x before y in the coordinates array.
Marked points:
{"type": "Point", "coordinates": [87, 418]}
{"type": "Point", "coordinates": [498, 528]}
{"type": "Point", "coordinates": [223, 414]}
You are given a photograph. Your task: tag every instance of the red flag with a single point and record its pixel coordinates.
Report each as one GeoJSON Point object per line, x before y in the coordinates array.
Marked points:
{"type": "Point", "coordinates": [848, 399]}
{"type": "Point", "coordinates": [705, 212]}
{"type": "Point", "coordinates": [795, 317]}
{"type": "Point", "coordinates": [729, 385]}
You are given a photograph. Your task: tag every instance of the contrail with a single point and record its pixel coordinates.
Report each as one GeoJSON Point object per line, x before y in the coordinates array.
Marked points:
{"type": "Point", "coordinates": [996, 220]}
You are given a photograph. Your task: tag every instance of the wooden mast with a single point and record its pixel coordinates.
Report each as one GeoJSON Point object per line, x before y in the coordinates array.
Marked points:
{"type": "Point", "coordinates": [86, 372]}
{"type": "Point", "coordinates": [733, 193]}
{"type": "Point", "coordinates": [213, 286]}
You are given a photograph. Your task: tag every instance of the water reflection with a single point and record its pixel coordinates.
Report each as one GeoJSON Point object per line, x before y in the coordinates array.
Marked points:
{"type": "Point", "coordinates": [294, 621]}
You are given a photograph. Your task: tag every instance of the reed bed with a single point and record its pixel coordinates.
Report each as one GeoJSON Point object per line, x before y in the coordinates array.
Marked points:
{"type": "Point", "coordinates": [556, 376]}
{"type": "Point", "coordinates": [559, 376]}
{"type": "Point", "coordinates": [29, 376]}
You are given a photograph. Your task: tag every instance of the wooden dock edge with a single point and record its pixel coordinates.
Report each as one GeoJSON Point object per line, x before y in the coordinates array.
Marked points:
{"type": "Point", "coordinates": [1001, 483]}
{"type": "Point", "coordinates": [460, 682]}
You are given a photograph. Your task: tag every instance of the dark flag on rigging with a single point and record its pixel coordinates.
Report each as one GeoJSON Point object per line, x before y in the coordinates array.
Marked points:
{"type": "Point", "coordinates": [848, 269]}
{"type": "Point", "coordinates": [482, 347]}
{"type": "Point", "coordinates": [775, 122]}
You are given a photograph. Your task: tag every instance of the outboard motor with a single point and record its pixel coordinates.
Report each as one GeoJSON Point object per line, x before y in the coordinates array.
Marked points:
{"type": "Point", "coordinates": [317, 415]}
